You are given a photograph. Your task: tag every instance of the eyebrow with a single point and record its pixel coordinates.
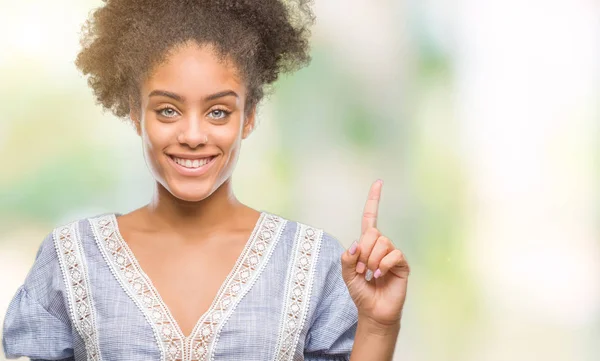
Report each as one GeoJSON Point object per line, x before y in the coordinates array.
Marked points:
{"type": "Point", "coordinates": [181, 99]}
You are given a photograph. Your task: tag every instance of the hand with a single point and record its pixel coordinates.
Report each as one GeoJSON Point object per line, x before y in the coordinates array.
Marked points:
{"type": "Point", "coordinates": [375, 272]}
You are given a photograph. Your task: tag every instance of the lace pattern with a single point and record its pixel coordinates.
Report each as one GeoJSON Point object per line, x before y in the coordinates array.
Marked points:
{"type": "Point", "coordinates": [245, 273]}
{"type": "Point", "coordinates": [200, 344]}
{"type": "Point", "coordinates": [307, 244]}
{"type": "Point", "coordinates": [76, 279]}
{"type": "Point", "coordinates": [138, 287]}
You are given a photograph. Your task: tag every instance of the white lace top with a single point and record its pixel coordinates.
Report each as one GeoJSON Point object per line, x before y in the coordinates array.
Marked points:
{"type": "Point", "coordinates": [86, 298]}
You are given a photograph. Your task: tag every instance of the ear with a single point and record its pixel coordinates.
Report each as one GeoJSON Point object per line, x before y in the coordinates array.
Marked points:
{"type": "Point", "coordinates": [249, 123]}
{"type": "Point", "coordinates": [134, 115]}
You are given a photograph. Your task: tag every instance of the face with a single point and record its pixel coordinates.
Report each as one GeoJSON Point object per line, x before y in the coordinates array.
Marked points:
{"type": "Point", "coordinates": [192, 121]}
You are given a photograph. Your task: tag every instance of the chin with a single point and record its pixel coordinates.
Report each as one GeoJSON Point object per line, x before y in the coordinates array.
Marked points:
{"type": "Point", "coordinates": [189, 193]}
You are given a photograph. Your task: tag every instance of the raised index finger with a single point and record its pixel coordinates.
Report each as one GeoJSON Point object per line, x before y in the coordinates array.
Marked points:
{"type": "Point", "coordinates": [369, 218]}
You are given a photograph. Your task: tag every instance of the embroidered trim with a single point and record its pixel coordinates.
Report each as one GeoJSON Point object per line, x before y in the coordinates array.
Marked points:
{"type": "Point", "coordinates": [77, 283]}
{"type": "Point", "coordinates": [307, 244]}
{"type": "Point", "coordinates": [200, 344]}
{"type": "Point", "coordinates": [246, 271]}
{"type": "Point", "coordinates": [138, 287]}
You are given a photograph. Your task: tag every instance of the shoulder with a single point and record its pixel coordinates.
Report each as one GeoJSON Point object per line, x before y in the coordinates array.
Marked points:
{"type": "Point", "coordinates": [332, 307]}
{"type": "Point", "coordinates": [327, 247]}
{"type": "Point", "coordinates": [37, 322]}
{"type": "Point", "coordinates": [45, 276]}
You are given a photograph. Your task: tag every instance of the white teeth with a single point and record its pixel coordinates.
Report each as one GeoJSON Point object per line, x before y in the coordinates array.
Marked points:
{"type": "Point", "coordinates": [188, 163]}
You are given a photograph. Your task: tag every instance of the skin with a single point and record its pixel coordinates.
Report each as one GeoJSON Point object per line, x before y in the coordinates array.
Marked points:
{"type": "Point", "coordinates": [189, 236]}
{"type": "Point", "coordinates": [193, 226]}
{"type": "Point", "coordinates": [379, 298]}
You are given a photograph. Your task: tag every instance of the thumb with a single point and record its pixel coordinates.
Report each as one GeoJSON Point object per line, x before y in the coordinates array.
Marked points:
{"type": "Point", "coordinates": [349, 261]}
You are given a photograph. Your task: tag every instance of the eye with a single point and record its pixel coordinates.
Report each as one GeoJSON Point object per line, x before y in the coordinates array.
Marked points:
{"type": "Point", "coordinates": [167, 112]}
{"type": "Point", "coordinates": [218, 113]}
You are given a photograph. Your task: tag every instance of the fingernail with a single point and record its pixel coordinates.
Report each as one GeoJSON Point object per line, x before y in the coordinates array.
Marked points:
{"type": "Point", "coordinates": [380, 181]}
{"type": "Point", "coordinates": [360, 267]}
{"type": "Point", "coordinates": [377, 273]}
{"type": "Point", "coordinates": [369, 275]}
{"type": "Point", "coordinates": [352, 249]}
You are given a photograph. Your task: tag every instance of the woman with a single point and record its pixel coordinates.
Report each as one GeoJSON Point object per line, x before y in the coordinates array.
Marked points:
{"type": "Point", "coordinates": [195, 274]}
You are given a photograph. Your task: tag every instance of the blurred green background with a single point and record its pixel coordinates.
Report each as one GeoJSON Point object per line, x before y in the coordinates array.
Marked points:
{"type": "Point", "coordinates": [481, 117]}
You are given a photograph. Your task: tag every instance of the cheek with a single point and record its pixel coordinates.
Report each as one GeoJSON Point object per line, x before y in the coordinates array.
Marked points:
{"type": "Point", "coordinates": [228, 137]}
{"type": "Point", "coordinates": [155, 138]}
{"type": "Point", "coordinates": [155, 135]}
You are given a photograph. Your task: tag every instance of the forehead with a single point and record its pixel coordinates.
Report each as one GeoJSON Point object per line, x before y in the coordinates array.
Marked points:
{"type": "Point", "coordinates": [194, 71]}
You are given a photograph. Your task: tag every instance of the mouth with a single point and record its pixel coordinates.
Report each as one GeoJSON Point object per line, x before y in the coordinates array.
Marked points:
{"type": "Point", "coordinates": [191, 166]}
{"type": "Point", "coordinates": [192, 163]}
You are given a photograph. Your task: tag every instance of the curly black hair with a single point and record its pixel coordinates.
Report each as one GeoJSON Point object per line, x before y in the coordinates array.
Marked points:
{"type": "Point", "coordinates": [124, 40]}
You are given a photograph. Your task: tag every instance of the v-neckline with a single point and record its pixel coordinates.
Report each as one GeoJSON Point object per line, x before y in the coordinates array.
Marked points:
{"type": "Point", "coordinates": [218, 295]}
{"type": "Point", "coordinates": [174, 345]}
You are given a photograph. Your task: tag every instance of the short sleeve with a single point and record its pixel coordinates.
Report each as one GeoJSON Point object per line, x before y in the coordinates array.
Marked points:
{"type": "Point", "coordinates": [31, 331]}
{"type": "Point", "coordinates": [331, 334]}
{"type": "Point", "coordinates": [37, 323]}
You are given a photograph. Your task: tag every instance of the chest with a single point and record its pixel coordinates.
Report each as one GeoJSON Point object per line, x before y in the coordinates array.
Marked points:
{"type": "Point", "coordinates": [265, 296]}
{"type": "Point", "coordinates": [186, 276]}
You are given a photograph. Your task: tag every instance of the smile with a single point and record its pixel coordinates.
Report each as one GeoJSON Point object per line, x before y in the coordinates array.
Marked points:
{"type": "Point", "coordinates": [192, 163]}
{"type": "Point", "coordinates": [191, 167]}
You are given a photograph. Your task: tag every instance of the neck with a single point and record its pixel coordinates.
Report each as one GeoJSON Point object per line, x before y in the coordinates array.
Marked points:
{"type": "Point", "coordinates": [213, 212]}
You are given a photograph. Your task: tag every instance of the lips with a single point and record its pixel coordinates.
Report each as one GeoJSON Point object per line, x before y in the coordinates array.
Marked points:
{"type": "Point", "coordinates": [192, 163]}
{"type": "Point", "coordinates": [191, 166]}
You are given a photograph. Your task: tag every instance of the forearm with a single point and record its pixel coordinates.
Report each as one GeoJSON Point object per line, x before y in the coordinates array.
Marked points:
{"type": "Point", "coordinates": [374, 342]}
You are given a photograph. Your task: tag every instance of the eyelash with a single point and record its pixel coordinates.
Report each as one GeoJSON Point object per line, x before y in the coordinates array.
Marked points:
{"type": "Point", "coordinates": [226, 112]}
{"type": "Point", "coordinates": [160, 111]}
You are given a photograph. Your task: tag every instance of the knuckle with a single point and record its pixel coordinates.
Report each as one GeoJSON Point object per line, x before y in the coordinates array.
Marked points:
{"type": "Point", "coordinates": [384, 266]}
{"type": "Point", "coordinates": [372, 264]}
{"type": "Point", "coordinates": [386, 241]}
{"type": "Point", "coordinates": [373, 232]}
{"type": "Point", "coordinates": [394, 257]}
{"type": "Point", "coordinates": [367, 242]}
{"type": "Point", "coordinates": [369, 215]}
{"type": "Point", "coordinates": [402, 258]}
{"type": "Point", "coordinates": [344, 258]}
{"type": "Point", "coordinates": [374, 261]}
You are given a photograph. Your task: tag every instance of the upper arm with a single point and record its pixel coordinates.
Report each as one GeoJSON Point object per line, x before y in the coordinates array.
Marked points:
{"type": "Point", "coordinates": [37, 323]}
{"type": "Point", "coordinates": [331, 333]}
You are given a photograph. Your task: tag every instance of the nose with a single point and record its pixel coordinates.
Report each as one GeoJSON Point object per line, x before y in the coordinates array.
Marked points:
{"type": "Point", "coordinates": [193, 132]}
